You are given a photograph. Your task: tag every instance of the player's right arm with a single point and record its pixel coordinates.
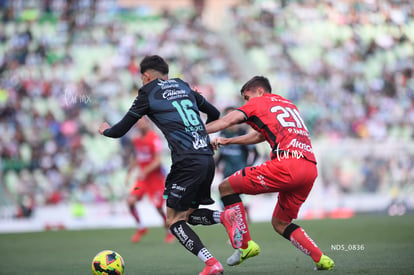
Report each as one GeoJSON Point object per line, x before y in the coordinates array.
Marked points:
{"type": "Point", "coordinates": [206, 107]}
{"type": "Point", "coordinates": [120, 128]}
{"type": "Point", "coordinates": [234, 117]}
{"type": "Point", "coordinates": [136, 111]}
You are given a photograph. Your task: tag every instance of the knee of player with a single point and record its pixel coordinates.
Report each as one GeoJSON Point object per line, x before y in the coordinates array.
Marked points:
{"type": "Point", "coordinates": [279, 226]}
{"type": "Point", "coordinates": [225, 188]}
{"type": "Point", "coordinates": [131, 200]}
{"type": "Point", "coordinates": [174, 217]}
{"type": "Point", "coordinates": [170, 221]}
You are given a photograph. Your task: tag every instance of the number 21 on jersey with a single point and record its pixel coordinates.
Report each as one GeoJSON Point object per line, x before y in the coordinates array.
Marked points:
{"type": "Point", "coordinates": [285, 117]}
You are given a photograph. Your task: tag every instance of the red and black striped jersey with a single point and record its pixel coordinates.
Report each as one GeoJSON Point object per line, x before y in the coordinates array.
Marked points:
{"type": "Point", "coordinates": [279, 121]}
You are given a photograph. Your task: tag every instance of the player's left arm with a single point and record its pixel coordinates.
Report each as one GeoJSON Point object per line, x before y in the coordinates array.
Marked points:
{"type": "Point", "coordinates": [252, 137]}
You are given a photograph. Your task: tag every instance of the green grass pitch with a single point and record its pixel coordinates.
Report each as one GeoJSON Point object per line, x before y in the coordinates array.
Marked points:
{"type": "Point", "coordinates": [365, 244]}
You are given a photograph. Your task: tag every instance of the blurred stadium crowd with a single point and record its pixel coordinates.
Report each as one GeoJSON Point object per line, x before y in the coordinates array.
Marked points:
{"type": "Point", "coordinates": [66, 66]}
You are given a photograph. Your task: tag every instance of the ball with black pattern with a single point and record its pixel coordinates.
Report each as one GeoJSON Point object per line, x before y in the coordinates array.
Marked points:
{"type": "Point", "coordinates": [108, 262]}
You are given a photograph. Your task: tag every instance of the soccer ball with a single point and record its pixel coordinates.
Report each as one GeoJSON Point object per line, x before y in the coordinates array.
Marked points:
{"type": "Point", "coordinates": [108, 262]}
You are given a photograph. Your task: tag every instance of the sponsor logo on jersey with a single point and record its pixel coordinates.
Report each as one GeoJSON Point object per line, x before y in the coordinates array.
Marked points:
{"type": "Point", "coordinates": [297, 144]}
{"type": "Point", "coordinates": [199, 141]}
{"type": "Point", "coordinates": [174, 94]}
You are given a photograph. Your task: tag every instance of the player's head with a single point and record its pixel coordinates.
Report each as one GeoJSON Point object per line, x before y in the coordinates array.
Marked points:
{"type": "Point", "coordinates": [153, 67]}
{"type": "Point", "coordinates": [228, 109]}
{"type": "Point", "coordinates": [257, 86]}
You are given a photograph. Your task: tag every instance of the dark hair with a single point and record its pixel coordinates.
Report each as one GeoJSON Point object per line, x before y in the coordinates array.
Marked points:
{"type": "Point", "coordinates": [229, 109]}
{"type": "Point", "coordinates": [256, 82]}
{"type": "Point", "coordinates": [154, 62]}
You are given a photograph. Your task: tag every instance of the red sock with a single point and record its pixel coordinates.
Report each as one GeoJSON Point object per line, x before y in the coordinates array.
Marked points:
{"type": "Point", "coordinates": [241, 217]}
{"type": "Point", "coordinates": [301, 240]}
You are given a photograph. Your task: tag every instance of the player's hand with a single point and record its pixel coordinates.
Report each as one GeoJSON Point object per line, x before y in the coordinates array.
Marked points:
{"type": "Point", "coordinates": [103, 127]}
{"type": "Point", "coordinates": [195, 88]}
{"type": "Point", "coordinates": [218, 141]}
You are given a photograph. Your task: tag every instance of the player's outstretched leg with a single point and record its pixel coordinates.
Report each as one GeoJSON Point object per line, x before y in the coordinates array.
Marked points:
{"type": "Point", "coordinates": [228, 218]}
{"type": "Point", "coordinates": [241, 254]}
{"type": "Point", "coordinates": [248, 247]}
{"type": "Point", "coordinates": [233, 202]}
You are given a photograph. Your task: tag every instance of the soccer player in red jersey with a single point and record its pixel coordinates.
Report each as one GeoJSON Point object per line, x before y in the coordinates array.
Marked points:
{"type": "Point", "coordinates": [291, 171]}
{"type": "Point", "coordinates": [150, 179]}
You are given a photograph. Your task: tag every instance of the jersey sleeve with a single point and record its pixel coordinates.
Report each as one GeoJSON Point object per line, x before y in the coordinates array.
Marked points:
{"type": "Point", "coordinates": [122, 127]}
{"type": "Point", "coordinates": [249, 108]}
{"type": "Point", "coordinates": [140, 106]}
{"type": "Point", "coordinates": [206, 107]}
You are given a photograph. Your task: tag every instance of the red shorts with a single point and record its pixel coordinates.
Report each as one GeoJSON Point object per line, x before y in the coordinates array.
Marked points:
{"type": "Point", "coordinates": [293, 178]}
{"type": "Point", "coordinates": [152, 186]}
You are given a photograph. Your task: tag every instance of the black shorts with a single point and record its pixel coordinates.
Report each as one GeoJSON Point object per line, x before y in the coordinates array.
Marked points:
{"type": "Point", "coordinates": [189, 182]}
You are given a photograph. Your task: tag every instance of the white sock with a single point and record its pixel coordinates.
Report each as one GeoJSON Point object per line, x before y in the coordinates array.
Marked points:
{"type": "Point", "coordinates": [204, 255]}
{"type": "Point", "coordinates": [216, 216]}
